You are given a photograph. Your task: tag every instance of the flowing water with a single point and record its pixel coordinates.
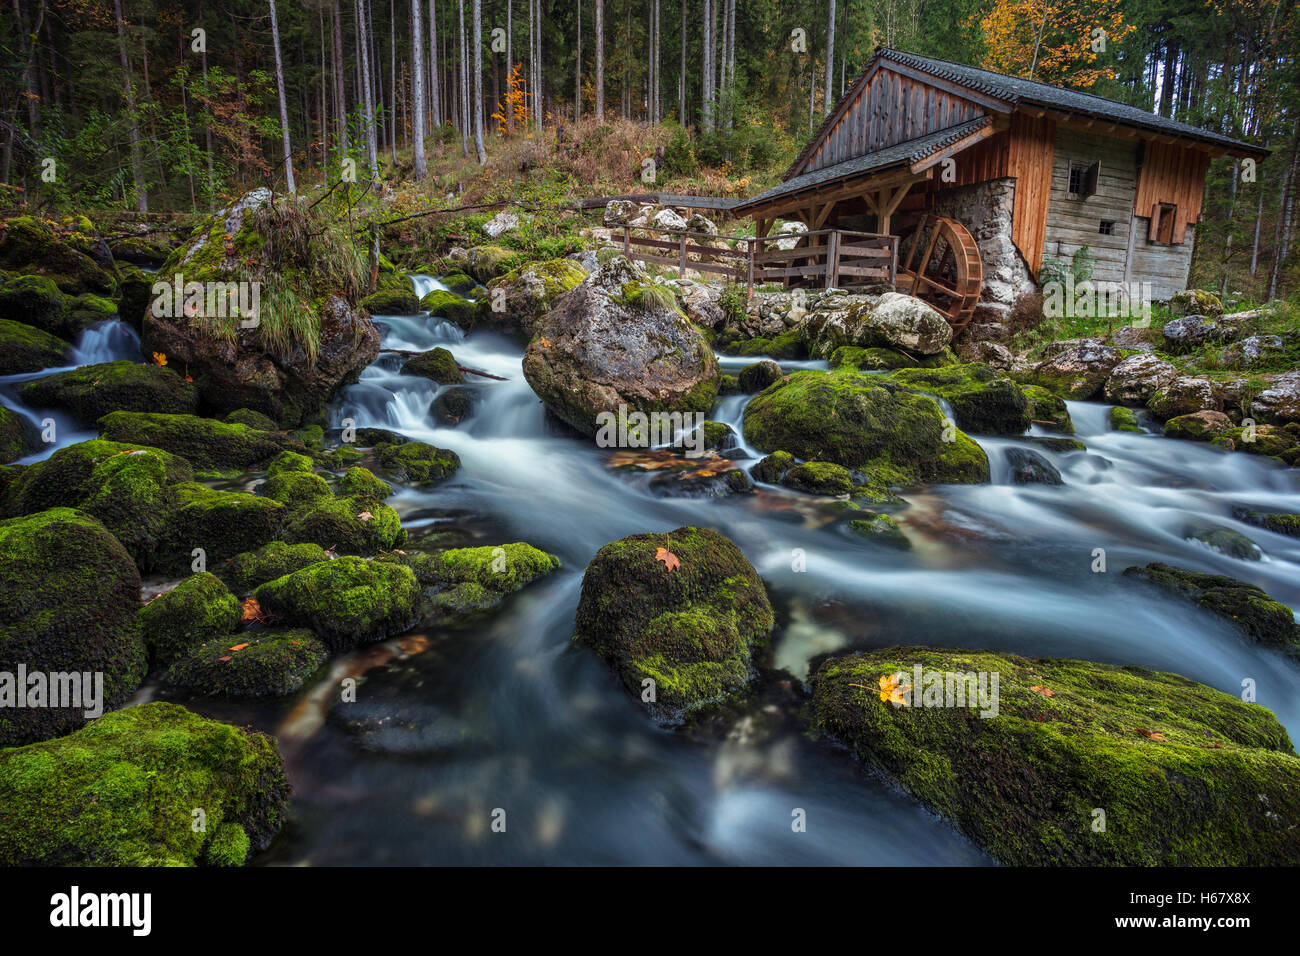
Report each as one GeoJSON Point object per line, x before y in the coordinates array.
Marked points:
{"type": "Point", "coordinates": [453, 727]}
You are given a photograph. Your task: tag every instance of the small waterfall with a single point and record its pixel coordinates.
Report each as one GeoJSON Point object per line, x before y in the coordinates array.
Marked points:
{"type": "Point", "coordinates": [107, 341]}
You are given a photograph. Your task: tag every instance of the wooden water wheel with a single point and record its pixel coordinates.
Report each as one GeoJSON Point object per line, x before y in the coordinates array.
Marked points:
{"type": "Point", "coordinates": [942, 266]}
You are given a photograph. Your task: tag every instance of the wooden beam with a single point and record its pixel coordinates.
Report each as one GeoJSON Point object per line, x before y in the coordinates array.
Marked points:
{"type": "Point", "coordinates": [984, 132]}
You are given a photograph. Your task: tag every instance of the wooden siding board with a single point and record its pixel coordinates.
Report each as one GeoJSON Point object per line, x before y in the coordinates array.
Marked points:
{"type": "Point", "coordinates": [1072, 223]}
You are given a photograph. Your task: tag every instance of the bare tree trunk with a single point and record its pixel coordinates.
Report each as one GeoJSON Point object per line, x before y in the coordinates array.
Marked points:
{"type": "Point", "coordinates": [284, 109]}
{"type": "Point", "coordinates": [478, 83]}
{"type": "Point", "coordinates": [681, 79]}
{"type": "Point", "coordinates": [830, 61]}
{"type": "Point", "coordinates": [510, 63]}
{"type": "Point", "coordinates": [600, 60]}
{"type": "Point", "coordinates": [577, 70]}
{"type": "Point", "coordinates": [464, 84]}
{"type": "Point", "coordinates": [392, 78]}
{"type": "Point", "coordinates": [417, 77]}
{"type": "Point", "coordinates": [340, 95]}
{"type": "Point", "coordinates": [435, 70]}
{"type": "Point", "coordinates": [1282, 232]}
{"type": "Point", "coordinates": [207, 128]}
{"type": "Point", "coordinates": [137, 167]}
{"type": "Point", "coordinates": [367, 96]}
{"type": "Point", "coordinates": [706, 69]}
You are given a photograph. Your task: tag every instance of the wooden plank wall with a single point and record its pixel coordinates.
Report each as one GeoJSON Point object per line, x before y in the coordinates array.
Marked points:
{"type": "Point", "coordinates": [1073, 222]}
{"type": "Point", "coordinates": [889, 109]}
{"type": "Point", "coordinates": [1174, 174]}
{"type": "Point", "coordinates": [1163, 265]}
{"type": "Point", "coordinates": [1031, 158]}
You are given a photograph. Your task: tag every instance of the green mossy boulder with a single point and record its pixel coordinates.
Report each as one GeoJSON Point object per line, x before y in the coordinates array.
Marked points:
{"type": "Point", "coordinates": [880, 528]}
{"type": "Point", "coordinates": [36, 301]}
{"type": "Point", "coordinates": [18, 439]}
{"type": "Point", "coordinates": [886, 359]}
{"type": "Point", "coordinates": [459, 283]}
{"type": "Point", "coordinates": [819, 478]}
{"type": "Point", "coordinates": [417, 462]}
{"type": "Point", "coordinates": [895, 437]}
{"type": "Point", "coordinates": [462, 580]}
{"type": "Point", "coordinates": [244, 572]}
{"type": "Point", "coordinates": [1198, 426]}
{"type": "Point", "coordinates": [68, 478]}
{"type": "Point", "coordinates": [1287, 524]}
{"type": "Point", "coordinates": [1048, 409]}
{"type": "Point", "coordinates": [24, 348]}
{"type": "Point", "coordinates": [392, 302]}
{"type": "Point", "coordinates": [1219, 786]}
{"type": "Point", "coordinates": [93, 391]}
{"type": "Point", "coordinates": [1234, 544]}
{"type": "Point", "coordinates": [1249, 608]}
{"type": "Point", "coordinates": [229, 846]}
{"type": "Point", "coordinates": [347, 602]}
{"type": "Point", "coordinates": [487, 262]}
{"type": "Point", "coordinates": [30, 245]}
{"type": "Point", "coordinates": [199, 609]}
{"type": "Point", "coordinates": [221, 523]}
{"type": "Point", "coordinates": [297, 489]}
{"type": "Point", "coordinates": [288, 462]}
{"type": "Point", "coordinates": [773, 467]}
{"type": "Point", "coordinates": [450, 306]}
{"type": "Point", "coordinates": [362, 481]}
{"type": "Point", "coordinates": [69, 593]}
{"type": "Point", "coordinates": [271, 664]}
{"type": "Point", "coordinates": [436, 364]}
{"type": "Point", "coordinates": [983, 400]}
{"type": "Point", "coordinates": [209, 445]}
{"type": "Point", "coordinates": [516, 300]}
{"type": "Point", "coordinates": [253, 419]}
{"type": "Point", "coordinates": [1124, 419]}
{"type": "Point", "coordinates": [758, 376]}
{"type": "Point", "coordinates": [355, 524]}
{"type": "Point", "coordinates": [693, 631]}
{"type": "Point", "coordinates": [123, 791]}
{"type": "Point", "coordinates": [785, 346]}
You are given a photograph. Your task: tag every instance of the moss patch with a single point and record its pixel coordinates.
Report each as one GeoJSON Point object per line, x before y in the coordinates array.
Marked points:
{"type": "Point", "coordinates": [270, 664]}
{"type": "Point", "coordinates": [198, 609]}
{"type": "Point", "coordinates": [1249, 608]}
{"type": "Point", "coordinates": [96, 390]}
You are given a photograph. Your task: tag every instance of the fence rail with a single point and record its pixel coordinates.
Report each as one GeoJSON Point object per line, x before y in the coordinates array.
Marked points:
{"type": "Point", "coordinates": [826, 254]}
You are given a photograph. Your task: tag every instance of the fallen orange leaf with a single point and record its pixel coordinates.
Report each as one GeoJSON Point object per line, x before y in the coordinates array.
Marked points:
{"type": "Point", "coordinates": [237, 647]}
{"type": "Point", "coordinates": [1045, 691]}
{"type": "Point", "coordinates": [670, 560]}
{"type": "Point", "coordinates": [160, 358]}
{"type": "Point", "coordinates": [1149, 733]}
{"type": "Point", "coordinates": [252, 611]}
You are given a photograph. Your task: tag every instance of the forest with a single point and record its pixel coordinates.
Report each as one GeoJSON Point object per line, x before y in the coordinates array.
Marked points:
{"type": "Point", "coordinates": [163, 106]}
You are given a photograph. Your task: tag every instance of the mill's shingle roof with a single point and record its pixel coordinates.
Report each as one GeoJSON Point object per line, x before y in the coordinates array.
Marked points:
{"type": "Point", "coordinates": [906, 152]}
{"type": "Point", "coordinates": [1015, 91]}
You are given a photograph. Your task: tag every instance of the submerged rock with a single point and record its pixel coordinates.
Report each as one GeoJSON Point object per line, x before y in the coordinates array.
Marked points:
{"type": "Point", "coordinates": [122, 792]}
{"type": "Point", "coordinates": [1248, 608]}
{"type": "Point", "coordinates": [880, 528]}
{"type": "Point", "coordinates": [1287, 524]}
{"type": "Point", "coordinates": [692, 631]}
{"type": "Point", "coordinates": [1186, 775]}
{"type": "Point", "coordinates": [983, 400]}
{"type": "Point", "coordinates": [270, 663]}
{"type": "Point", "coordinates": [1224, 540]}
{"type": "Point", "coordinates": [1030, 468]}
{"type": "Point", "coordinates": [854, 419]}
{"type": "Point", "coordinates": [619, 340]}
{"type": "Point", "coordinates": [69, 593]}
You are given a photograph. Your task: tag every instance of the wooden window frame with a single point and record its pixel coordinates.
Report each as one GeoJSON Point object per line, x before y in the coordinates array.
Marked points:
{"type": "Point", "coordinates": [1089, 177]}
{"type": "Point", "coordinates": [1164, 223]}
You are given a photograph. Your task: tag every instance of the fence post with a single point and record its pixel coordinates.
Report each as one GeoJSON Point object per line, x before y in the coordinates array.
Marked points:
{"type": "Point", "coordinates": [627, 241]}
{"type": "Point", "coordinates": [832, 259]}
{"type": "Point", "coordinates": [681, 262]}
{"type": "Point", "coordinates": [893, 260]}
{"type": "Point", "coordinates": [749, 294]}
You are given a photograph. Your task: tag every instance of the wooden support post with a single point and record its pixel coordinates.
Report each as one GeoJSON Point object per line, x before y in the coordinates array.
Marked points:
{"type": "Point", "coordinates": [749, 294]}
{"type": "Point", "coordinates": [627, 241]}
{"type": "Point", "coordinates": [681, 261]}
{"type": "Point", "coordinates": [893, 260]}
{"type": "Point", "coordinates": [832, 260]}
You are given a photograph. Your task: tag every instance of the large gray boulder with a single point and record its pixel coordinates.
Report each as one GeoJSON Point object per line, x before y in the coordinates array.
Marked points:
{"type": "Point", "coordinates": [1077, 371]}
{"type": "Point", "coordinates": [1280, 402]}
{"type": "Point", "coordinates": [1137, 378]}
{"type": "Point", "coordinates": [890, 320]}
{"type": "Point", "coordinates": [1184, 396]}
{"type": "Point", "coordinates": [619, 339]}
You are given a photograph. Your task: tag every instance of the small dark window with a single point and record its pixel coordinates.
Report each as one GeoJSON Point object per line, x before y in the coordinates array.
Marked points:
{"type": "Point", "coordinates": [1083, 180]}
{"type": "Point", "coordinates": [1163, 217]}
{"type": "Point", "coordinates": [1107, 228]}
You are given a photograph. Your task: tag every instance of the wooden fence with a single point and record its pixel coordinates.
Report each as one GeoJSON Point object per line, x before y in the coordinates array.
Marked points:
{"type": "Point", "coordinates": [823, 255]}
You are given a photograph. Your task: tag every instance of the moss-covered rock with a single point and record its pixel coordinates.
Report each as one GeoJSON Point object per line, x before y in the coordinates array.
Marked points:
{"type": "Point", "coordinates": [451, 306]}
{"type": "Point", "coordinates": [462, 580]}
{"type": "Point", "coordinates": [487, 262]}
{"type": "Point", "coordinates": [347, 601]}
{"type": "Point", "coordinates": [772, 468]}
{"type": "Point", "coordinates": [1047, 409]}
{"type": "Point", "coordinates": [1124, 419]}
{"type": "Point", "coordinates": [982, 399]}
{"type": "Point", "coordinates": [297, 489]}
{"type": "Point", "coordinates": [692, 631]}
{"type": "Point", "coordinates": [524, 294]}
{"type": "Point", "coordinates": [244, 572]}
{"type": "Point", "coordinates": [436, 364]}
{"type": "Point", "coordinates": [261, 663]}
{"type": "Point", "coordinates": [354, 524]}
{"type": "Point", "coordinates": [417, 462]}
{"type": "Point", "coordinates": [1226, 541]}
{"type": "Point", "coordinates": [253, 419]}
{"type": "Point", "coordinates": [93, 391]}
{"type": "Point", "coordinates": [1287, 524]}
{"type": "Point", "coordinates": [123, 791]}
{"type": "Point", "coordinates": [198, 609]}
{"type": "Point", "coordinates": [69, 593]}
{"type": "Point", "coordinates": [221, 523]}
{"type": "Point", "coordinates": [880, 528]}
{"type": "Point", "coordinates": [1198, 426]}
{"type": "Point", "coordinates": [36, 301]}
{"type": "Point", "coordinates": [18, 439]}
{"type": "Point", "coordinates": [893, 436]}
{"type": "Point", "coordinates": [784, 346]}
{"type": "Point", "coordinates": [362, 481]}
{"type": "Point", "coordinates": [312, 436]}
{"type": "Point", "coordinates": [33, 246]}
{"type": "Point", "coordinates": [819, 478]}
{"type": "Point", "coordinates": [24, 348]}
{"type": "Point", "coordinates": [1249, 608]}
{"type": "Point", "coordinates": [392, 302]}
{"type": "Point", "coordinates": [288, 462]}
{"type": "Point", "coordinates": [208, 444]}
{"type": "Point", "coordinates": [758, 376]}
{"type": "Point", "coordinates": [459, 283]}
{"type": "Point", "coordinates": [1186, 775]}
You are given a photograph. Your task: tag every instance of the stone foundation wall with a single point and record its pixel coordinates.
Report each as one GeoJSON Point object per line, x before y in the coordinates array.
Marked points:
{"type": "Point", "coordinates": [985, 209]}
